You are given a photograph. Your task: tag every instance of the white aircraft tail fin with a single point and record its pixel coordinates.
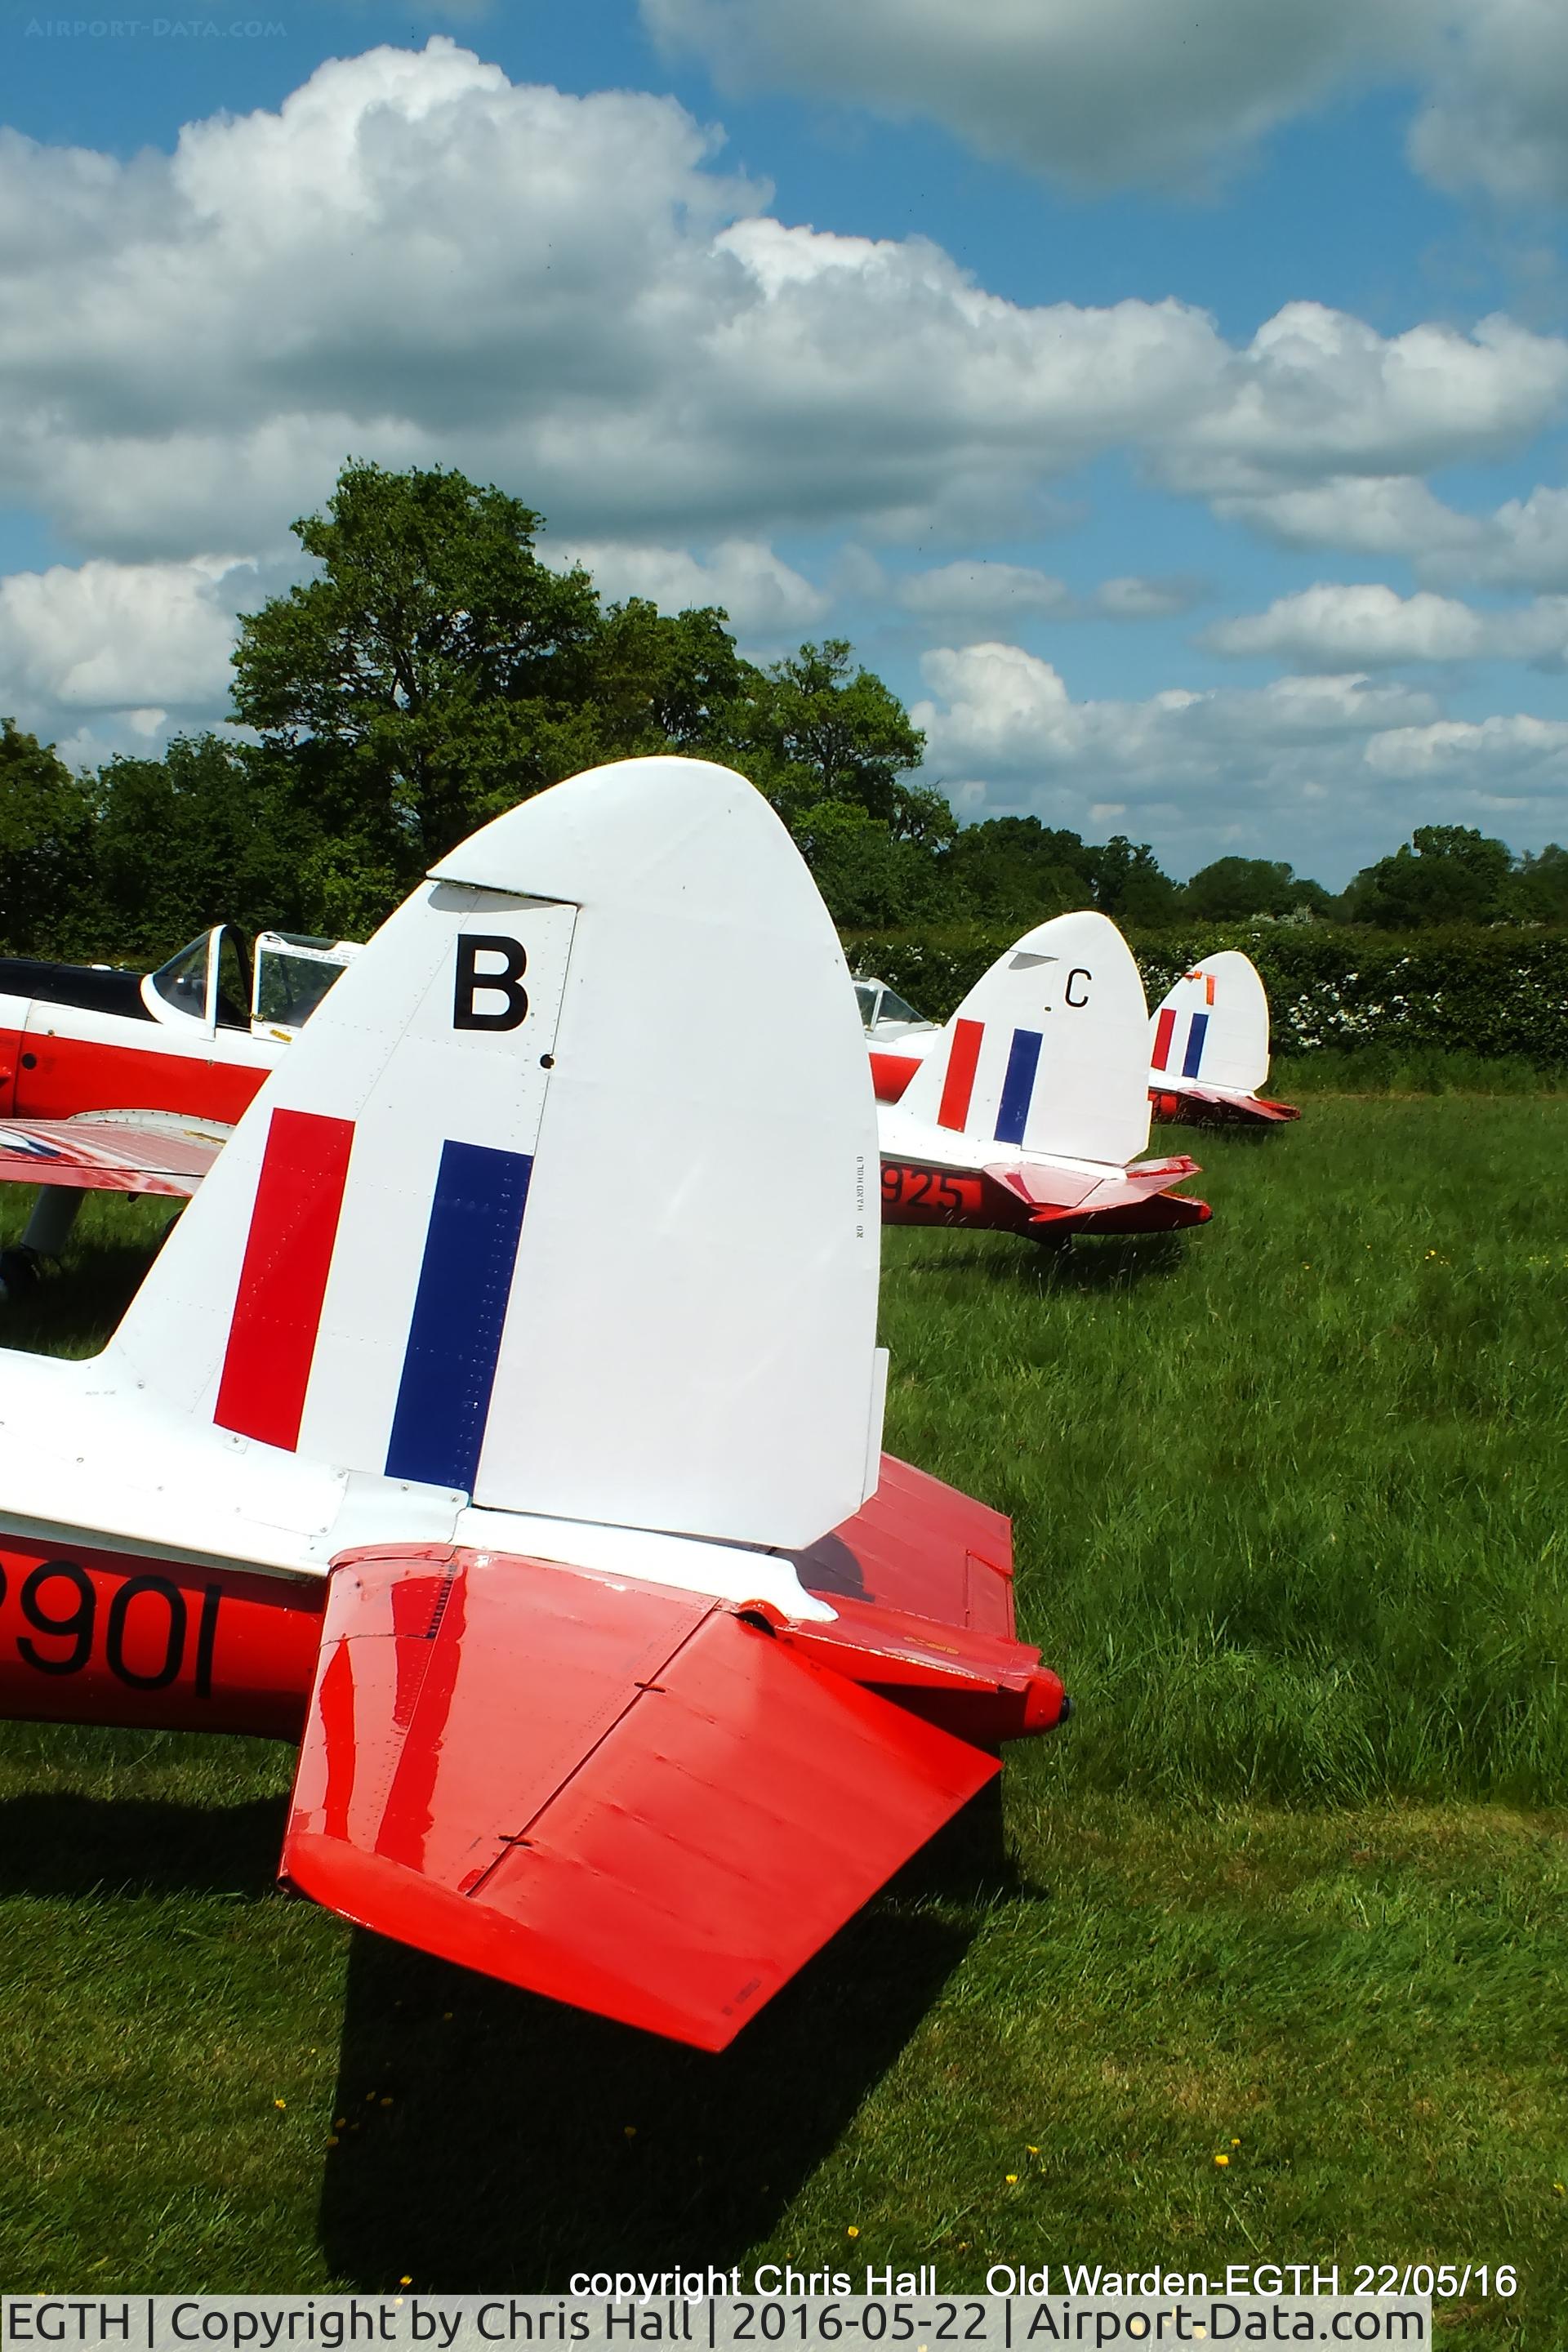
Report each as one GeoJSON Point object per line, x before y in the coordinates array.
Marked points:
{"type": "Point", "coordinates": [1213, 1027]}
{"type": "Point", "coordinates": [566, 1198]}
{"type": "Point", "coordinates": [1048, 1051]}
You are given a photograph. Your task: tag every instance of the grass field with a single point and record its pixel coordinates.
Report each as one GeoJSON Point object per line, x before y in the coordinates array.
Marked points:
{"type": "Point", "coordinates": [1289, 1889]}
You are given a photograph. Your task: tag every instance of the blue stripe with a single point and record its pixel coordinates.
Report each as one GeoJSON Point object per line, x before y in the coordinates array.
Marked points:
{"type": "Point", "coordinates": [453, 1339]}
{"type": "Point", "coordinates": [1018, 1086]}
{"type": "Point", "coordinates": [1195, 1036]}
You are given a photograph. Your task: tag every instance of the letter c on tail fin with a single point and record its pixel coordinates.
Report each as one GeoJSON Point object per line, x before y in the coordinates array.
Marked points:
{"type": "Point", "coordinates": [1048, 1051]}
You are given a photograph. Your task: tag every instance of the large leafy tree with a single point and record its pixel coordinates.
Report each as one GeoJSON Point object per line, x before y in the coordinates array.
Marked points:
{"type": "Point", "coordinates": [1015, 869]}
{"type": "Point", "coordinates": [209, 833]}
{"type": "Point", "coordinates": [1539, 893]}
{"type": "Point", "coordinates": [433, 671]}
{"type": "Point", "coordinates": [814, 728]}
{"type": "Point", "coordinates": [1129, 884]}
{"type": "Point", "coordinates": [46, 837]}
{"type": "Point", "coordinates": [1443, 874]}
{"type": "Point", "coordinates": [1233, 888]}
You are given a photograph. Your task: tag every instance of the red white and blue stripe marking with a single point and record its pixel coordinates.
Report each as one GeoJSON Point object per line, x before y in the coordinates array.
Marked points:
{"type": "Point", "coordinates": [1164, 1030]}
{"type": "Point", "coordinates": [1017, 1081]}
{"type": "Point", "coordinates": [460, 1307]}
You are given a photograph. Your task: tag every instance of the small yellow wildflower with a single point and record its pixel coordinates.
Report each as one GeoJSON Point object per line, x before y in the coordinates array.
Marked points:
{"type": "Point", "coordinates": [1222, 2160]}
{"type": "Point", "coordinates": [1235, 2143]}
{"type": "Point", "coordinates": [387, 2102]}
{"type": "Point", "coordinates": [1011, 2180]}
{"type": "Point", "coordinates": [1031, 2151]}
{"type": "Point", "coordinates": [279, 2103]}
{"type": "Point", "coordinates": [852, 2231]}
{"type": "Point", "coordinates": [405, 2281]}
{"type": "Point", "coordinates": [1558, 2190]}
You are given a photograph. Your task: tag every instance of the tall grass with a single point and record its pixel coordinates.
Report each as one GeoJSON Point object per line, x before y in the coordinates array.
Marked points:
{"type": "Point", "coordinates": [1288, 1492]}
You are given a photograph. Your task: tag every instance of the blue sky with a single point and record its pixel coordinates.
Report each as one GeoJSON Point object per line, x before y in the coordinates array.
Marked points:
{"type": "Point", "coordinates": [1172, 406]}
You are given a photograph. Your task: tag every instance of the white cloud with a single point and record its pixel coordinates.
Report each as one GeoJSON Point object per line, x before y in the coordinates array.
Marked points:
{"type": "Point", "coordinates": [1510, 752]}
{"type": "Point", "coordinates": [1132, 599]}
{"type": "Point", "coordinates": [1367, 625]}
{"type": "Point", "coordinates": [763, 596]}
{"type": "Point", "coordinates": [1098, 95]}
{"type": "Point", "coordinates": [981, 595]}
{"type": "Point", "coordinates": [119, 637]}
{"type": "Point", "coordinates": [979, 591]}
{"type": "Point", "coordinates": [413, 259]}
{"type": "Point", "coordinates": [1497, 114]}
{"type": "Point", "coordinates": [1337, 765]}
{"type": "Point", "coordinates": [1104, 97]}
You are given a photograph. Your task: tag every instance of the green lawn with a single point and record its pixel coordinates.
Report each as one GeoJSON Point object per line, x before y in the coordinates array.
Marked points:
{"type": "Point", "coordinates": [1289, 1889]}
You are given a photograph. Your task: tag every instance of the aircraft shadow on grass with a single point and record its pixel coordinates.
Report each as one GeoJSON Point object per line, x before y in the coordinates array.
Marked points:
{"type": "Point", "coordinates": [60, 1844]}
{"type": "Point", "coordinates": [525, 2141]}
{"type": "Point", "coordinates": [1102, 1262]}
{"type": "Point", "coordinates": [79, 1304]}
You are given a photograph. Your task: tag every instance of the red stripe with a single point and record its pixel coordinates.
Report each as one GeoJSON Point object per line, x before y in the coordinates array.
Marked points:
{"type": "Point", "coordinates": [962, 1059]}
{"type": "Point", "coordinates": [288, 1256]}
{"type": "Point", "coordinates": [1163, 1027]}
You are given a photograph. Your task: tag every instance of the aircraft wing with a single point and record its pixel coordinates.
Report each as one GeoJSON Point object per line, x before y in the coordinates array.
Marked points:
{"type": "Point", "coordinates": [145, 1151]}
{"type": "Point", "coordinates": [628, 1797]}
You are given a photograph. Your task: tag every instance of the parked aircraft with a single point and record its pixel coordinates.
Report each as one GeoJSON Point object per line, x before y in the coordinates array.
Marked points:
{"type": "Point", "coordinates": [474, 1431]}
{"type": "Point", "coordinates": [898, 1038]}
{"type": "Point", "coordinates": [1209, 1047]}
{"type": "Point", "coordinates": [121, 1081]}
{"type": "Point", "coordinates": [1027, 1113]}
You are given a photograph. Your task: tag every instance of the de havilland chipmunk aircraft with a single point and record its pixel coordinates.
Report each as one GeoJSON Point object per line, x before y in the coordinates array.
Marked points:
{"type": "Point", "coordinates": [473, 1431]}
{"type": "Point", "coordinates": [1209, 1047]}
{"type": "Point", "coordinates": [1023, 1114]}
{"type": "Point", "coordinates": [128, 1082]}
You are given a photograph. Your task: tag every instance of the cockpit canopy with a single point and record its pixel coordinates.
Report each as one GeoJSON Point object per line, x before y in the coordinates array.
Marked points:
{"type": "Point", "coordinates": [207, 982]}
{"type": "Point", "coordinates": [884, 1013]}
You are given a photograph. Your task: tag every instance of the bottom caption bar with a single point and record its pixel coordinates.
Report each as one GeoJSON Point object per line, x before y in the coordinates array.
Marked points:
{"type": "Point", "coordinates": [464, 2323]}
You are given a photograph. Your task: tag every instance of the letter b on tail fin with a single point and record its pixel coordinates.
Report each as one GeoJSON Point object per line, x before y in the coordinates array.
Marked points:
{"type": "Point", "coordinates": [592, 1237]}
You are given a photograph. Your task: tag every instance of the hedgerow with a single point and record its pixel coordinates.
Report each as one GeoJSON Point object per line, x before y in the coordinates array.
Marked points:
{"type": "Point", "coordinates": [1491, 992]}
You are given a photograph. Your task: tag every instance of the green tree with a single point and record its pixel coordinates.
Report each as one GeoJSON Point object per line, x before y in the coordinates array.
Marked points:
{"type": "Point", "coordinates": [1130, 885]}
{"type": "Point", "coordinates": [1443, 874]}
{"type": "Point", "coordinates": [1015, 869]}
{"type": "Point", "coordinates": [662, 682]}
{"type": "Point", "coordinates": [1539, 890]}
{"type": "Point", "coordinates": [810, 730]}
{"type": "Point", "coordinates": [432, 672]}
{"type": "Point", "coordinates": [209, 833]}
{"type": "Point", "coordinates": [46, 834]}
{"type": "Point", "coordinates": [1233, 888]}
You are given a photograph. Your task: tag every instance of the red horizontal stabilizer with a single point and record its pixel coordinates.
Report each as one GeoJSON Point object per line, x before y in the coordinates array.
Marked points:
{"type": "Point", "coordinates": [920, 1547]}
{"type": "Point", "coordinates": [628, 1798]}
{"type": "Point", "coordinates": [1194, 1106]}
{"type": "Point", "coordinates": [108, 1155]}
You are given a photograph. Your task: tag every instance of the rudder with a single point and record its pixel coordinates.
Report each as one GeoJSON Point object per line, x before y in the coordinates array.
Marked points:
{"type": "Point", "coordinates": [1048, 1050]}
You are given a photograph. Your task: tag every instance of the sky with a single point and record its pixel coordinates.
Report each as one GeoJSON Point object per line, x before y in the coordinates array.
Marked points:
{"type": "Point", "coordinates": [1171, 402]}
